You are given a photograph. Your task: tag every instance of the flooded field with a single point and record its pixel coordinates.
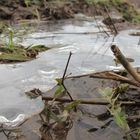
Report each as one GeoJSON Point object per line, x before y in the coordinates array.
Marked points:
{"type": "Point", "coordinates": [91, 52]}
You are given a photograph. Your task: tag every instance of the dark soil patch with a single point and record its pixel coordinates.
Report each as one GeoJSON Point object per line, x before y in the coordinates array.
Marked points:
{"type": "Point", "coordinates": [18, 11]}
{"type": "Point", "coordinates": [45, 10]}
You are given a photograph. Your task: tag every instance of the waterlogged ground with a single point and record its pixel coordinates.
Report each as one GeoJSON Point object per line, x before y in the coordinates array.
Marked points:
{"type": "Point", "coordinates": [91, 53]}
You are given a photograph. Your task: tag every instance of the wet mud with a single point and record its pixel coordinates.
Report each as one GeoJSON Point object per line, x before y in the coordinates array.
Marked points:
{"type": "Point", "coordinates": [90, 120]}
{"type": "Point", "coordinates": [14, 11]}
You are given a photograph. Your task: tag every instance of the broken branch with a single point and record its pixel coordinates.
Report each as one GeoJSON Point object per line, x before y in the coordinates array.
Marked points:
{"type": "Point", "coordinates": [116, 77]}
{"type": "Point", "coordinates": [115, 29]}
{"type": "Point", "coordinates": [118, 54]}
{"type": "Point", "coordinates": [63, 78]}
{"type": "Point", "coordinates": [108, 75]}
{"type": "Point", "coordinates": [90, 102]}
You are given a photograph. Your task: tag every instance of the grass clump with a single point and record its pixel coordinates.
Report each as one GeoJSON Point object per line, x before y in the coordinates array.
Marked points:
{"type": "Point", "coordinates": [19, 53]}
{"type": "Point", "coordinates": [10, 52]}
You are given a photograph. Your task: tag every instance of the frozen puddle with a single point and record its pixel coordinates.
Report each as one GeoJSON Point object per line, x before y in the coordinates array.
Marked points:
{"type": "Point", "coordinates": [91, 52]}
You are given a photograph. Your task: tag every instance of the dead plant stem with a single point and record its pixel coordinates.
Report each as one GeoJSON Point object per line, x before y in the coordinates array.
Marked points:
{"type": "Point", "coordinates": [89, 102]}
{"type": "Point", "coordinates": [115, 29]}
{"type": "Point", "coordinates": [63, 78]}
{"type": "Point", "coordinates": [121, 58]}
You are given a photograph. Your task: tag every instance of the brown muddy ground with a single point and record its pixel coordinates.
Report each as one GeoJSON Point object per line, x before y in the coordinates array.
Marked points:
{"type": "Point", "coordinates": [15, 11]}
{"type": "Point", "coordinates": [128, 25]}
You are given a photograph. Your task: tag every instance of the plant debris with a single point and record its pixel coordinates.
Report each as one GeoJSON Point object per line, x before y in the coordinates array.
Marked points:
{"type": "Point", "coordinates": [19, 53]}
{"type": "Point", "coordinates": [122, 104]}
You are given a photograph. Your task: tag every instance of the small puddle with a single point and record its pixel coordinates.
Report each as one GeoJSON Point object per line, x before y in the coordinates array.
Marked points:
{"type": "Point", "coordinates": [91, 53]}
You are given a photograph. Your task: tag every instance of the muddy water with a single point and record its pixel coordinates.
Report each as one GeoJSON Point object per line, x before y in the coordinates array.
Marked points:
{"type": "Point", "coordinates": [91, 52]}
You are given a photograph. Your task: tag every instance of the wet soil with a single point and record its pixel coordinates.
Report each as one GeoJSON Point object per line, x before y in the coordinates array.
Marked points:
{"type": "Point", "coordinates": [15, 11]}
{"type": "Point", "coordinates": [89, 120]}
{"type": "Point", "coordinates": [18, 12]}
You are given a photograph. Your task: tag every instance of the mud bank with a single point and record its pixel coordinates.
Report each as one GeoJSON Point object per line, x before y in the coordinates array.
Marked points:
{"type": "Point", "coordinates": [15, 11]}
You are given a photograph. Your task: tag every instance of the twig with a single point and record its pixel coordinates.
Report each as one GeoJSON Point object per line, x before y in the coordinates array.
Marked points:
{"type": "Point", "coordinates": [108, 75]}
{"type": "Point", "coordinates": [104, 17]}
{"type": "Point", "coordinates": [4, 133]}
{"type": "Point", "coordinates": [116, 32]}
{"type": "Point", "coordinates": [98, 25]}
{"type": "Point", "coordinates": [89, 102]}
{"type": "Point", "coordinates": [81, 32]}
{"type": "Point", "coordinates": [64, 76]}
{"type": "Point", "coordinates": [118, 54]}
{"type": "Point", "coordinates": [116, 77]}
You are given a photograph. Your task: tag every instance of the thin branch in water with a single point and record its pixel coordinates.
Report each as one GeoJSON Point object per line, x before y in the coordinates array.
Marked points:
{"type": "Point", "coordinates": [64, 74]}
{"type": "Point", "coordinates": [5, 133]}
{"type": "Point", "coordinates": [63, 78]}
{"type": "Point", "coordinates": [90, 102]}
{"type": "Point", "coordinates": [98, 25]}
{"type": "Point", "coordinates": [113, 39]}
{"type": "Point", "coordinates": [115, 29]}
{"type": "Point", "coordinates": [104, 17]}
{"type": "Point", "coordinates": [70, 33]}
